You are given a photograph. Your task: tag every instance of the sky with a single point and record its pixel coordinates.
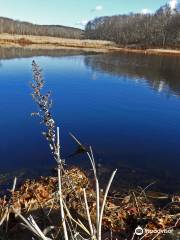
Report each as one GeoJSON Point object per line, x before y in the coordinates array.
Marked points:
{"type": "Point", "coordinates": [74, 13]}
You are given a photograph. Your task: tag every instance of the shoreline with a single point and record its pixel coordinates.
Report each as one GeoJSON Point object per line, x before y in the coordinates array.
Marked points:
{"type": "Point", "coordinates": [48, 43]}
{"type": "Point", "coordinates": [39, 197]}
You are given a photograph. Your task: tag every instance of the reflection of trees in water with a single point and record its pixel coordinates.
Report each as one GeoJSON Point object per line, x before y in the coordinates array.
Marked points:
{"type": "Point", "coordinates": [160, 71]}
{"type": "Point", "coordinates": [12, 52]}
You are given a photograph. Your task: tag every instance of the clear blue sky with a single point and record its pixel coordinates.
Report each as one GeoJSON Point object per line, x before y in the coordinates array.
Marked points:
{"type": "Point", "coordinates": [71, 12]}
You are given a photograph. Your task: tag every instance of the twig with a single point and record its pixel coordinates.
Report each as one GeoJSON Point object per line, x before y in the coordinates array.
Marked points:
{"type": "Point", "coordinates": [103, 204]}
{"type": "Point", "coordinates": [14, 185]}
{"type": "Point", "coordinates": [91, 157]}
{"type": "Point", "coordinates": [60, 187]}
{"type": "Point", "coordinates": [79, 224]}
{"type": "Point", "coordinates": [88, 215]}
{"type": "Point", "coordinates": [144, 189]}
{"type": "Point", "coordinates": [136, 202]}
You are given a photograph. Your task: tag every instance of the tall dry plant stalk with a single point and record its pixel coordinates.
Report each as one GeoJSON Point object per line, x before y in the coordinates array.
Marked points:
{"type": "Point", "coordinates": [52, 136]}
{"type": "Point", "coordinates": [44, 103]}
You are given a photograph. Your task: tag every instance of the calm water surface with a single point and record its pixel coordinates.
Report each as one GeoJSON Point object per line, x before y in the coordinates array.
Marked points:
{"type": "Point", "coordinates": [127, 106]}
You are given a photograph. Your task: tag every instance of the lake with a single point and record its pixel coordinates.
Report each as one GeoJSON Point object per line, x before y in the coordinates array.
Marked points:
{"type": "Point", "coordinates": [126, 106]}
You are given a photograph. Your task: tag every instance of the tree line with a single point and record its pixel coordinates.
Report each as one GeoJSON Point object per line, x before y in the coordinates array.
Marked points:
{"type": "Point", "coordinates": [161, 29]}
{"type": "Point", "coordinates": [11, 26]}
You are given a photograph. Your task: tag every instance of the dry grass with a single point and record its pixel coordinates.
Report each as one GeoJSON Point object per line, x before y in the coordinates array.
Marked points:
{"type": "Point", "coordinates": [56, 42]}
{"type": "Point", "coordinates": [45, 42]}
{"type": "Point", "coordinates": [39, 198]}
{"type": "Point", "coordinates": [163, 51]}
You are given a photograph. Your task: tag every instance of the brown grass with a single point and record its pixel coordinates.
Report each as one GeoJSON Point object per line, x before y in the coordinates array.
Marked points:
{"type": "Point", "coordinates": [38, 197]}
{"type": "Point", "coordinates": [45, 42]}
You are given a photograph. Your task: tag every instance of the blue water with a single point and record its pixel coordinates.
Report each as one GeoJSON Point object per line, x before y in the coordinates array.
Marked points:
{"type": "Point", "coordinates": [126, 108]}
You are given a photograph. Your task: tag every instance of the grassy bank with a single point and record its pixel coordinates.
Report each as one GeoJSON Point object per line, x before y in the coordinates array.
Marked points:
{"type": "Point", "coordinates": [123, 212]}
{"type": "Point", "coordinates": [44, 42]}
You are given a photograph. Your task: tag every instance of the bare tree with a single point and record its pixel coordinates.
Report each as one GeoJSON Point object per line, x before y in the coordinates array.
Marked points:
{"type": "Point", "coordinates": [161, 29]}
{"type": "Point", "coordinates": [10, 26]}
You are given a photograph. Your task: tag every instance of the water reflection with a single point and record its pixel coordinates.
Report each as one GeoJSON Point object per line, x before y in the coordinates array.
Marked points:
{"type": "Point", "coordinates": [161, 72]}
{"type": "Point", "coordinates": [20, 52]}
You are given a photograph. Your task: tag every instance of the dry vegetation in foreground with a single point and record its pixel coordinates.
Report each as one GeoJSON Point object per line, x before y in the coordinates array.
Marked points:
{"type": "Point", "coordinates": [39, 199]}
{"type": "Point", "coordinates": [45, 42]}
{"type": "Point", "coordinates": [73, 207]}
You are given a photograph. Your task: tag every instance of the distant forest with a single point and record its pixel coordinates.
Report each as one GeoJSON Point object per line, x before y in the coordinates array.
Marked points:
{"type": "Point", "coordinates": [161, 29]}
{"type": "Point", "coordinates": [10, 26]}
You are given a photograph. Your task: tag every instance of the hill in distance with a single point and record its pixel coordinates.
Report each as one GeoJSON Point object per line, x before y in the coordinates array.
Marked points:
{"type": "Point", "coordinates": [8, 25]}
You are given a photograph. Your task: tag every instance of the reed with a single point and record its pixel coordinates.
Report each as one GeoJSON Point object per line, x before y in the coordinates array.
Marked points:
{"type": "Point", "coordinates": [44, 103]}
